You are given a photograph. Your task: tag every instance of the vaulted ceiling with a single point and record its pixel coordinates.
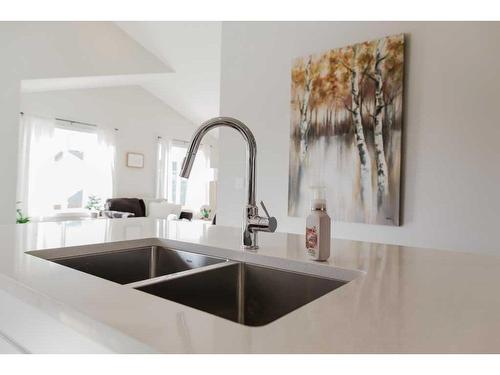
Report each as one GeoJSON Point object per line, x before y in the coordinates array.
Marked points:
{"type": "Point", "coordinates": [192, 50]}
{"type": "Point", "coordinates": [181, 64]}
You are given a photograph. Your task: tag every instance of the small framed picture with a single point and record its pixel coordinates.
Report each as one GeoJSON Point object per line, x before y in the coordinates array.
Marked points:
{"type": "Point", "coordinates": [135, 160]}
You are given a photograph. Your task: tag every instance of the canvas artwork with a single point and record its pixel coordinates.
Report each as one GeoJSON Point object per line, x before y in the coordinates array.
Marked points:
{"type": "Point", "coordinates": [346, 125]}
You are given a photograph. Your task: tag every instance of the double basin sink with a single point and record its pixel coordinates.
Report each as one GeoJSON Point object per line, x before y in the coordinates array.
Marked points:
{"type": "Point", "coordinates": [244, 293]}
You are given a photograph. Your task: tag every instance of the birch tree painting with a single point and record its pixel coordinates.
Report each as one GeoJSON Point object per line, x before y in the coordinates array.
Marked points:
{"type": "Point", "coordinates": [346, 124]}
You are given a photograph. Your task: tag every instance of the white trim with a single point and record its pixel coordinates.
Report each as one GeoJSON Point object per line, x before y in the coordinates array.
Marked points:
{"type": "Point", "coordinates": [75, 126]}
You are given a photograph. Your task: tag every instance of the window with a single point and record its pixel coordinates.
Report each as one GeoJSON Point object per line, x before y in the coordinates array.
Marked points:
{"type": "Point", "coordinates": [65, 164]}
{"type": "Point", "coordinates": [192, 193]}
{"type": "Point", "coordinates": [72, 168]}
{"type": "Point", "coordinates": [177, 186]}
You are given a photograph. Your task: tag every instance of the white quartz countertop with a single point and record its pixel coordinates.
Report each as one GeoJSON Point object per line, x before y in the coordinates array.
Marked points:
{"type": "Point", "coordinates": [400, 299]}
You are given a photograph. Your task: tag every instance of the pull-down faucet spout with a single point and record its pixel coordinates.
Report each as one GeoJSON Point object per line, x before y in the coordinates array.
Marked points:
{"type": "Point", "coordinates": [253, 223]}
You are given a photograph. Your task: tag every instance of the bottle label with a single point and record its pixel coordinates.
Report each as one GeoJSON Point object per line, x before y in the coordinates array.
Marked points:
{"type": "Point", "coordinates": [312, 237]}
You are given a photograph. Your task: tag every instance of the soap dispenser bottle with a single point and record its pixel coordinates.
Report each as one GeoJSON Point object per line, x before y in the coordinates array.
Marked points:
{"type": "Point", "coordinates": [318, 227]}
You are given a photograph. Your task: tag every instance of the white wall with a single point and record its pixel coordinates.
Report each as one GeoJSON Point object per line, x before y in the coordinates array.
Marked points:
{"type": "Point", "coordinates": [139, 116]}
{"type": "Point", "coordinates": [451, 174]}
{"type": "Point", "coordinates": [32, 50]}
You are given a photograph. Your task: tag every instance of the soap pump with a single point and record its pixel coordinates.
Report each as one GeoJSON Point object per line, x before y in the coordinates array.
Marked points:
{"type": "Point", "coordinates": [318, 226]}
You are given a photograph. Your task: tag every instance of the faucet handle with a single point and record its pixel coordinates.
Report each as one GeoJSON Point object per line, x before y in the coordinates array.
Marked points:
{"type": "Point", "coordinates": [265, 209]}
{"type": "Point", "coordinates": [270, 223]}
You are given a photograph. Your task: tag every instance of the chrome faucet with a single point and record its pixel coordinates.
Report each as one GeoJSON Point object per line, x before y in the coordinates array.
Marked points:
{"type": "Point", "coordinates": [252, 222]}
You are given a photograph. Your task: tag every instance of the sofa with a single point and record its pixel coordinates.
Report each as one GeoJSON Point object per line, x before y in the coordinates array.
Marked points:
{"type": "Point", "coordinates": [137, 207]}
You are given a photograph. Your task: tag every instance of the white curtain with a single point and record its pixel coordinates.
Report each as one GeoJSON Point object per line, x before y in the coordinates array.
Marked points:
{"type": "Point", "coordinates": [47, 178]}
{"type": "Point", "coordinates": [102, 162]}
{"type": "Point", "coordinates": [35, 154]}
{"type": "Point", "coordinates": [161, 167]}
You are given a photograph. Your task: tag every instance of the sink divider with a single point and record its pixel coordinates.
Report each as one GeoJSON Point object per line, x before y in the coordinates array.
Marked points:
{"type": "Point", "coordinates": [152, 261]}
{"type": "Point", "coordinates": [241, 294]}
{"type": "Point", "coordinates": [177, 275]}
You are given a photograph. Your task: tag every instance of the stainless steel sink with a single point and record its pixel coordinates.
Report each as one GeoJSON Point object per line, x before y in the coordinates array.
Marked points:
{"type": "Point", "coordinates": [247, 294]}
{"type": "Point", "coordinates": [244, 293]}
{"type": "Point", "coordinates": [129, 266]}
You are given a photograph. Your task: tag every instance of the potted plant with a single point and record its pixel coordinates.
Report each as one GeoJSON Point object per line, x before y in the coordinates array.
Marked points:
{"type": "Point", "coordinates": [20, 218]}
{"type": "Point", "coordinates": [205, 213]}
{"type": "Point", "coordinates": [94, 206]}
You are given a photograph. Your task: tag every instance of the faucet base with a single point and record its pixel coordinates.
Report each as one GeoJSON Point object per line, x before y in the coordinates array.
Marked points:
{"type": "Point", "coordinates": [250, 241]}
{"type": "Point", "coordinates": [251, 247]}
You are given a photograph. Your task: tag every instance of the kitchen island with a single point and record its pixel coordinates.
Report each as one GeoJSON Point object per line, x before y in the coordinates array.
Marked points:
{"type": "Point", "coordinates": [396, 299]}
